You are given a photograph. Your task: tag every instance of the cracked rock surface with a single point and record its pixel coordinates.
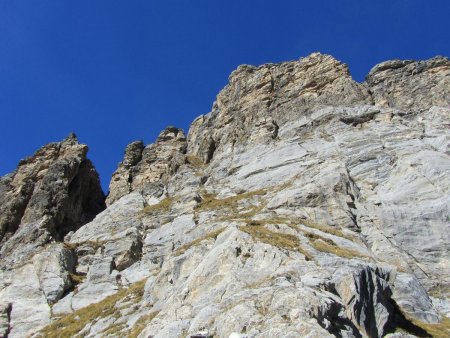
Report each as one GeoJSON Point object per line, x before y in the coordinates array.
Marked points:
{"type": "Point", "coordinates": [304, 204]}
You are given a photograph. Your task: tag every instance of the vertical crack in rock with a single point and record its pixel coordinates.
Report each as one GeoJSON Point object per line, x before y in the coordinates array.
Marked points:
{"type": "Point", "coordinates": [5, 319]}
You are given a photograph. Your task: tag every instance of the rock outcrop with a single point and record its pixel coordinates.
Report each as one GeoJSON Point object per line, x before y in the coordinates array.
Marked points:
{"type": "Point", "coordinates": [410, 85]}
{"type": "Point", "coordinates": [51, 193]}
{"type": "Point", "coordinates": [304, 204]}
{"type": "Point", "coordinates": [258, 100]}
{"type": "Point", "coordinates": [143, 165]}
{"type": "Point", "coordinates": [57, 183]}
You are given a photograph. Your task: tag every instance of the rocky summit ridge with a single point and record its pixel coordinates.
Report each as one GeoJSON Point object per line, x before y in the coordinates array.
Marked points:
{"type": "Point", "coordinates": [305, 204]}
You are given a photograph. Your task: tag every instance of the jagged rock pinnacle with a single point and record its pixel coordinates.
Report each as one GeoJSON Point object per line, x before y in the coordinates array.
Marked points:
{"type": "Point", "coordinates": [144, 165]}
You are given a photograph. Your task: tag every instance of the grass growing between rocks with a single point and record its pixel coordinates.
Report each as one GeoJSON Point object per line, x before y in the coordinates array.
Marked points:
{"type": "Point", "coordinates": [440, 330]}
{"type": "Point", "coordinates": [95, 245]}
{"type": "Point", "coordinates": [163, 206]}
{"type": "Point", "coordinates": [140, 324]}
{"type": "Point", "coordinates": [195, 162]}
{"type": "Point", "coordinates": [323, 244]}
{"type": "Point", "coordinates": [76, 279]}
{"type": "Point", "coordinates": [327, 229]}
{"type": "Point", "coordinates": [72, 324]}
{"type": "Point", "coordinates": [440, 291]}
{"type": "Point", "coordinates": [276, 239]}
{"type": "Point", "coordinates": [211, 202]}
{"type": "Point", "coordinates": [212, 235]}
{"type": "Point", "coordinates": [257, 229]}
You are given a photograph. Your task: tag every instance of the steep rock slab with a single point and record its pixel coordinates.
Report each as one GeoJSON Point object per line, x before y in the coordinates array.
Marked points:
{"type": "Point", "coordinates": [31, 288]}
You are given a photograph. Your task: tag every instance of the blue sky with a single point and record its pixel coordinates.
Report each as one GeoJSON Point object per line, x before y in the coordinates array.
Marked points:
{"type": "Point", "coordinates": [118, 71]}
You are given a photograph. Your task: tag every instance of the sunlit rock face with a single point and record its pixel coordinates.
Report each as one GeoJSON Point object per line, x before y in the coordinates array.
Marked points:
{"type": "Point", "coordinates": [304, 204]}
{"type": "Point", "coordinates": [153, 163]}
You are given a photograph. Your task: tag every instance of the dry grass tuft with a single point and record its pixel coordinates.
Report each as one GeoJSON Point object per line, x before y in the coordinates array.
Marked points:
{"type": "Point", "coordinates": [163, 206]}
{"type": "Point", "coordinates": [95, 245]}
{"type": "Point", "coordinates": [323, 244]}
{"type": "Point", "coordinates": [276, 239]}
{"type": "Point", "coordinates": [212, 235]}
{"type": "Point", "coordinates": [440, 291]}
{"type": "Point", "coordinates": [440, 330]}
{"type": "Point", "coordinates": [76, 278]}
{"type": "Point", "coordinates": [71, 324]}
{"type": "Point", "coordinates": [327, 229]}
{"type": "Point", "coordinates": [326, 245]}
{"type": "Point", "coordinates": [195, 162]}
{"type": "Point", "coordinates": [141, 323]}
{"type": "Point", "coordinates": [211, 202]}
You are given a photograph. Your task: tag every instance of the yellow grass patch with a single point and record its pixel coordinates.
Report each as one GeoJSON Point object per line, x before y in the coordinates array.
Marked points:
{"type": "Point", "coordinates": [70, 325]}
{"type": "Point", "coordinates": [212, 235]}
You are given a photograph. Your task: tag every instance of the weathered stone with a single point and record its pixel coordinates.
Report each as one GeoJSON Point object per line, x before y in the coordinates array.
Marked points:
{"type": "Point", "coordinates": [304, 205]}
{"type": "Point", "coordinates": [5, 311]}
{"type": "Point", "coordinates": [412, 298]}
{"type": "Point", "coordinates": [258, 100]}
{"type": "Point", "coordinates": [410, 85]}
{"type": "Point", "coordinates": [122, 178]}
{"type": "Point", "coordinates": [57, 182]}
{"type": "Point", "coordinates": [141, 166]}
{"type": "Point", "coordinates": [366, 295]}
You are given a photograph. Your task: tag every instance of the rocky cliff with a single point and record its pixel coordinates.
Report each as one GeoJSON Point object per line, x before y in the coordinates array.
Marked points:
{"type": "Point", "coordinates": [304, 204]}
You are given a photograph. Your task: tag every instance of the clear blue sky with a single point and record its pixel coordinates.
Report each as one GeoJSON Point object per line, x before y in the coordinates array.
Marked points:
{"type": "Point", "coordinates": [118, 71]}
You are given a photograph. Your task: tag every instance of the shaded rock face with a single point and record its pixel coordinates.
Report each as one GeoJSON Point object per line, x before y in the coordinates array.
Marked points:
{"type": "Point", "coordinates": [57, 183]}
{"type": "Point", "coordinates": [51, 193]}
{"type": "Point", "coordinates": [304, 205]}
{"type": "Point", "coordinates": [153, 163]}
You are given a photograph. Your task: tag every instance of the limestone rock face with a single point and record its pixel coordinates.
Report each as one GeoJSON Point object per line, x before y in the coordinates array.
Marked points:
{"type": "Point", "coordinates": [143, 165]}
{"type": "Point", "coordinates": [258, 100]}
{"type": "Point", "coordinates": [304, 204]}
{"type": "Point", "coordinates": [411, 85]}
